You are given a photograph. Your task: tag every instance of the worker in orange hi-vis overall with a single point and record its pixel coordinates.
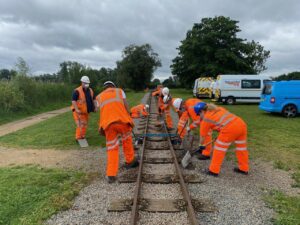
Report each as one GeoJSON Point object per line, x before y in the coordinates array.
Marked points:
{"type": "Point", "coordinates": [231, 129]}
{"type": "Point", "coordinates": [159, 95]}
{"type": "Point", "coordinates": [166, 107]}
{"type": "Point", "coordinates": [83, 102]}
{"type": "Point", "coordinates": [115, 122]}
{"type": "Point", "coordinates": [186, 109]}
{"type": "Point", "coordinates": [139, 111]}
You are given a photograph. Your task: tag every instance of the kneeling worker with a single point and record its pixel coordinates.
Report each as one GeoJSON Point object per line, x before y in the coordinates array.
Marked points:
{"type": "Point", "coordinates": [139, 111]}
{"type": "Point", "coordinates": [115, 121]}
{"type": "Point", "coordinates": [82, 104]}
{"type": "Point", "coordinates": [231, 129]}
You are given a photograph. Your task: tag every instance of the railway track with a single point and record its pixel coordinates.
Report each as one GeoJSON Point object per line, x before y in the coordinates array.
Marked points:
{"type": "Point", "coordinates": [161, 194]}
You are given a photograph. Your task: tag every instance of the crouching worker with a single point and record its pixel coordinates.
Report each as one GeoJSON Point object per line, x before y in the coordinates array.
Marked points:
{"type": "Point", "coordinates": [115, 122]}
{"type": "Point", "coordinates": [231, 129]}
{"type": "Point", "coordinates": [139, 111]}
{"type": "Point", "coordinates": [82, 104]}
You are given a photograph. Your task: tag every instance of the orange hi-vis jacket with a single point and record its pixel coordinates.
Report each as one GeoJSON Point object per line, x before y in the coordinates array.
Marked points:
{"type": "Point", "coordinates": [188, 113]}
{"type": "Point", "coordinates": [138, 111]}
{"type": "Point", "coordinates": [81, 102]}
{"type": "Point", "coordinates": [216, 120]}
{"type": "Point", "coordinates": [112, 108]}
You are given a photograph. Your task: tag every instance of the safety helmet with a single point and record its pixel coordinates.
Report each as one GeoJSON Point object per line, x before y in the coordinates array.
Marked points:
{"type": "Point", "coordinates": [108, 83]}
{"type": "Point", "coordinates": [199, 107]}
{"type": "Point", "coordinates": [177, 102]}
{"type": "Point", "coordinates": [166, 99]}
{"type": "Point", "coordinates": [165, 91]}
{"type": "Point", "coordinates": [85, 79]}
{"type": "Point", "coordinates": [147, 106]}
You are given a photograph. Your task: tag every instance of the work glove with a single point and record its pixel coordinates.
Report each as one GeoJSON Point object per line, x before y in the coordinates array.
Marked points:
{"type": "Point", "coordinates": [200, 148]}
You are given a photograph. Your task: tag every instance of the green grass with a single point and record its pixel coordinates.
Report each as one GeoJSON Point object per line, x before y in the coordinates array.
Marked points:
{"type": "Point", "coordinates": [275, 139]}
{"type": "Point", "coordinates": [59, 132]}
{"type": "Point", "coordinates": [287, 208]}
{"type": "Point", "coordinates": [29, 194]}
{"type": "Point", "coordinates": [6, 117]}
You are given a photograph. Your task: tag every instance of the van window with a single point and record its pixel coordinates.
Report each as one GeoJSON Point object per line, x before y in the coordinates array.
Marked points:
{"type": "Point", "coordinates": [251, 84]}
{"type": "Point", "coordinates": [267, 90]}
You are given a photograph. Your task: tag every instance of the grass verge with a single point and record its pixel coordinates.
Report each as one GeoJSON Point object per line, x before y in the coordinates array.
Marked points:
{"type": "Point", "coordinates": [59, 132]}
{"type": "Point", "coordinates": [30, 195]}
{"type": "Point", "coordinates": [6, 117]}
{"type": "Point", "coordinates": [286, 207]}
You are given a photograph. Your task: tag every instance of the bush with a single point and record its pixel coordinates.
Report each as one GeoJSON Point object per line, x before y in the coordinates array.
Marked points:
{"type": "Point", "coordinates": [24, 93]}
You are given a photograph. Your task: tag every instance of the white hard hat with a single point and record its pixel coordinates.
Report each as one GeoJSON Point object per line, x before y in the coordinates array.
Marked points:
{"type": "Point", "coordinates": [109, 83]}
{"type": "Point", "coordinates": [166, 99]}
{"type": "Point", "coordinates": [147, 106]}
{"type": "Point", "coordinates": [177, 103]}
{"type": "Point", "coordinates": [165, 91]}
{"type": "Point", "coordinates": [85, 79]}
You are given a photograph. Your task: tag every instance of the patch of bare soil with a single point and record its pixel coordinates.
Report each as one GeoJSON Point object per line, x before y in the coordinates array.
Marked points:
{"type": "Point", "coordinates": [85, 160]}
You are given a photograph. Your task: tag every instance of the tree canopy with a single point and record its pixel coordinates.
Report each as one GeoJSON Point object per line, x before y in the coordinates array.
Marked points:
{"type": "Point", "coordinates": [289, 76]}
{"type": "Point", "coordinates": [212, 47]}
{"type": "Point", "coordinates": [136, 68]}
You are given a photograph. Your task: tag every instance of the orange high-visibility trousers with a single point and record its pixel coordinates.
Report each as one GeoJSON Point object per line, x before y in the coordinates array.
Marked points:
{"type": "Point", "coordinates": [81, 121]}
{"type": "Point", "coordinates": [235, 132]}
{"type": "Point", "coordinates": [208, 148]}
{"type": "Point", "coordinates": [168, 117]}
{"type": "Point", "coordinates": [112, 133]}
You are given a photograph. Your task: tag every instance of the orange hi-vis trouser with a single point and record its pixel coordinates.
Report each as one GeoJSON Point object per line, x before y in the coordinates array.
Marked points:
{"type": "Point", "coordinates": [81, 121]}
{"type": "Point", "coordinates": [236, 132]}
{"type": "Point", "coordinates": [112, 134]}
{"type": "Point", "coordinates": [168, 117]}
{"type": "Point", "coordinates": [181, 127]}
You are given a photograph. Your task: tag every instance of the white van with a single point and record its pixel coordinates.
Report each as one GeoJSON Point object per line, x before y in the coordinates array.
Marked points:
{"type": "Point", "coordinates": [239, 88]}
{"type": "Point", "coordinates": [202, 87]}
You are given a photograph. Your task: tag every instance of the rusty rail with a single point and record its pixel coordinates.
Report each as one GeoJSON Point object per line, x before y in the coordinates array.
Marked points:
{"type": "Point", "coordinates": [190, 209]}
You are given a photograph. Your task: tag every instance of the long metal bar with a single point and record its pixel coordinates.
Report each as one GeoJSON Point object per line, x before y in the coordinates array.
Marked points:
{"type": "Point", "coordinates": [137, 191]}
{"type": "Point", "coordinates": [185, 193]}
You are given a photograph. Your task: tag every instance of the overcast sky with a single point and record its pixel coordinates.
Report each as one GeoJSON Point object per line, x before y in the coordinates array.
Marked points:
{"type": "Point", "coordinates": [94, 32]}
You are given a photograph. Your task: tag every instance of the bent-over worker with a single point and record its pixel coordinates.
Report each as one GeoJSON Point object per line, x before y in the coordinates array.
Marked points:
{"type": "Point", "coordinates": [186, 109]}
{"type": "Point", "coordinates": [231, 129]}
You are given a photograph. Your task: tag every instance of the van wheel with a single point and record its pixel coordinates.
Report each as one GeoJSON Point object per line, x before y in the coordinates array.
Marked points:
{"type": "Point", "coordinates": [289, 111]}
{"type": "Point", "coordinates": [230, 100]}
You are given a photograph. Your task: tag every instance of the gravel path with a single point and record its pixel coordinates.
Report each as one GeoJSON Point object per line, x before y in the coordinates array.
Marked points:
{"type": "Point", "coordinates": [238, 197]}
{"type": "Point", "coordinates": [20, 124]}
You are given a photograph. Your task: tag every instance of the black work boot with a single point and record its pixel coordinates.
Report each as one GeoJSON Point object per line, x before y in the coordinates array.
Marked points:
{"type": "Point", "coordinates": [237, 170]}
{"type": "Point", "coordinates": [208, 172]}
{"type": "Point", "coordinates": [111, 179]}
{"type": "Point", "coordinates": [203, 157]}
{"type": "Point", "coordinates": [133, 164]}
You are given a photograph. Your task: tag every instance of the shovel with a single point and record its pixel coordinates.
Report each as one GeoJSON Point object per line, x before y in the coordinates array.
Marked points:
{"type": "Point", "coordinates": [188, 155]}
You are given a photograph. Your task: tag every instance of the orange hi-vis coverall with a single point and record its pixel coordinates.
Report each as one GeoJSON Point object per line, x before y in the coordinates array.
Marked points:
{"type": "Point", "coordinates": [116, 122]}
{"type": "Point", "coordinates": [138, 111]}
{"type": "Point", "coordinates": [160, 97]}
{"type": "Point", "coordinates": [167, 109]}
{"type": "Point", "coordinates": [183, 123]}
{"type": "Point", "coordinates": [81, 120]}
{"type": "Point", "coordinates": [231, 129]}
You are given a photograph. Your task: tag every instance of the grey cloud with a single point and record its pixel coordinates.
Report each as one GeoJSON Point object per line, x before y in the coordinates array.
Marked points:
{"type": "Point", "coordinates": [94, 32]}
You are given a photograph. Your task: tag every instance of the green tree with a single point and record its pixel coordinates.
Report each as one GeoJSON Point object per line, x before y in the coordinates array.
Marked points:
{"type": "Point", "coordinates": [171, 82]}
{"type": "Point", "coordinates": [22, 67]}
{"type": "Point", "coordinates": [290, 76]}
{"type": "Point", "coordinates": [136, 68]}
{"type": "Point", "coordinates": [212, 47]}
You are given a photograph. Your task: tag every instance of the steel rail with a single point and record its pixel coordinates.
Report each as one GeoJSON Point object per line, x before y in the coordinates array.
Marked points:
{"type": "Point", "coordinates": [137, 191]}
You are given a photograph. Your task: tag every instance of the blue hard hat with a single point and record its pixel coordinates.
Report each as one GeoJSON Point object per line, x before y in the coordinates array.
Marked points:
{"type": "Point", "coordinates": [199, 107]}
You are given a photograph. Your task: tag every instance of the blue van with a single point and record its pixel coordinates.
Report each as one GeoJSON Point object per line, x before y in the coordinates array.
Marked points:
{"type": "Point", "coordinates": [281, 97]}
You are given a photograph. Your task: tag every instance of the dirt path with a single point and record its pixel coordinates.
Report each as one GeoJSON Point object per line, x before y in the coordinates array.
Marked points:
{"type": "Point", "coordinates": [20, 124]}
{"type": "Point", "coordinates": [85, 160]}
